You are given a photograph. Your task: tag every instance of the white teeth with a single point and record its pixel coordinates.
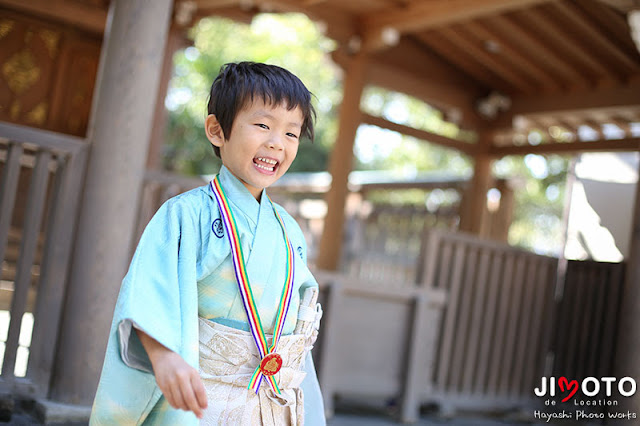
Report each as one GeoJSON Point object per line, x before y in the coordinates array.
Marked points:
{"type": "Point", "coordinates": [264, 167]}
{"type": "Point", "coordinates": [267, 160]}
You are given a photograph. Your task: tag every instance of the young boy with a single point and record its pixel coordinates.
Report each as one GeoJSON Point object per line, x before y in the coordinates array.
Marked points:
{"type": "Point", "coordinates": [217, 316]}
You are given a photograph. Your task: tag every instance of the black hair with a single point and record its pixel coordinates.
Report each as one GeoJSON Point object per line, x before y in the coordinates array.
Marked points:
{"type": "Point", "coordinates": [237, 84]}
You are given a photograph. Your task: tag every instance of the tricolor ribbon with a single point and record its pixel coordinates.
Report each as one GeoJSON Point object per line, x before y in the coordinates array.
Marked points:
{"type": "Point", "coordinates": [244, 287]}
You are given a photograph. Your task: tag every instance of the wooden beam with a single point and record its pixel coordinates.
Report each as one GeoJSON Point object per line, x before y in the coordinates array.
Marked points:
{"type": "Point", "coordinates": [613, 145]}
{"type": "Point", "coordinates": [442, 97]}
{"type": "Point", "coordinates": [402, 70]}
{"type": "Point", "coordinates": [595, 126]}
{"type": "Point", "coordinates": [511, 53]}
{"type": "Point", "coordinates": [613, 22]}
{"type": "Point", "coordinates": [234, 13]}
{"type": "Point", "coordinates": [563, 38]}
{"type": "Point", "coordinates": [413, 55]}
{"type": "Point", "coordinates": [424, 135]}
{"type": "Point", "coordinates": [422, 15]}
{"type": "Point", "coordinates": [487, 59]}
{"type": "Point", "coordinates": [78, 14]}
{"type": "Point", "coordinates": [535, 124]}
{"type": "Point", "coordinates": [610, 100]}
{"type": "Point", "coordinates": [528, 42]}
{"type": "Point", "coordinates": [574, 122]}
{"type": "Point", "coordinates": [479, 73]}
{"type": "Point", "coordinates": [398, 79]}
{"type": "Point", "coordinates": [622, 5]}
{"type": "Point", "coordinates": [260, 5]}
{"type": "Point", "coordinates": [611, 49]}
{"type": "Point", "coordinates": [621, 123]}
{"type": "Point", "coordinates": [340, 26]}
{"type": "Point", "coordinates": [545, 123]}
{"type": "Point", "coordinates": [214, 4]}
{"type": "Point", "coordinates": [565, 124]}
{"type": "Point", "coordinates": [630, 115]}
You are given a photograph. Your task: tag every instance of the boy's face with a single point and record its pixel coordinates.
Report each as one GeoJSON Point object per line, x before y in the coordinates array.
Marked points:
{"type": "Point", "coordinates": [263, 143]}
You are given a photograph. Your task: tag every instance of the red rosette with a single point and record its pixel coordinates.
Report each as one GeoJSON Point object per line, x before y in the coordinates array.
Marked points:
{"type": "Point", "coordinates": [270, 364]}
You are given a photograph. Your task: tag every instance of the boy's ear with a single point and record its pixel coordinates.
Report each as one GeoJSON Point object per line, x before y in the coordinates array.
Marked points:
{"type": "Point", "coordinates": [213, 129]}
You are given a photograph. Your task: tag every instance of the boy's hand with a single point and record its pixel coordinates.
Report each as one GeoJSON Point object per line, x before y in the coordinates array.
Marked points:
{"type": "Point", "coordinates": [179, 382]}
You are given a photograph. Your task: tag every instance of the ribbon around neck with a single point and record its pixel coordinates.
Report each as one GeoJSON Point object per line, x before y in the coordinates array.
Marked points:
{"type": "Point", "coordinates": [244, 286]}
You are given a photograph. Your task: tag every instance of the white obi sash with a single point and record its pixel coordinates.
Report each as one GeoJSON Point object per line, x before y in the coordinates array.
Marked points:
{"type": "Point", "coordinates": [228, 358]}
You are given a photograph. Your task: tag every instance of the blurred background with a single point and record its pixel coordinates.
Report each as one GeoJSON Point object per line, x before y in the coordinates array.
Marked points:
{"type": "Point", "coordinates": [470, 201]}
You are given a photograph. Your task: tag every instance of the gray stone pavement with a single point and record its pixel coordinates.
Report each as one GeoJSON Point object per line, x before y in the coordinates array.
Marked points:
{"type": "Point", "coordinates": [355, 420]}
{"type": "Point", "coordinates": [362, 420]}
{"type": "Point", "coordinates": [359, 416]}
{"type": "Point", "coordinates": [350, 415]}
{"type": "Point", "coordinates": [348, 420]}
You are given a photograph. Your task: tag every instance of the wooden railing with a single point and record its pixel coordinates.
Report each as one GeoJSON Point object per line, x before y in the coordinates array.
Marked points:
{"type": "Point", "coordinates": [42, 173]}
{"type": "Point", "coordinates": [377, 341]}
{"type": "Point", "coordinates": [157, 188]}
{"type": "Point", "coordinates": [385, 245]}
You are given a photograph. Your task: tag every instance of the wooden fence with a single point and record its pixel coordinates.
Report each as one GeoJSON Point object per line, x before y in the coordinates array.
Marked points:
{"type": "Point", "coordinates": [587, 319]}
{"type": "Point", "coordinates": [41, 177]}
{"type": "Point", "coordinates": [496, 330]}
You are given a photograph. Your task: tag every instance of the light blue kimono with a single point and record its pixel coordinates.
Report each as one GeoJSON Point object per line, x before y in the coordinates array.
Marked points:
{"type": "Point", "coordinates": [182, 269]}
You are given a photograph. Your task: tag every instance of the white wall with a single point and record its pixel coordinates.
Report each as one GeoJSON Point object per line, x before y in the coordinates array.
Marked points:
{"type": "Point", "coordinates": [602, 200]}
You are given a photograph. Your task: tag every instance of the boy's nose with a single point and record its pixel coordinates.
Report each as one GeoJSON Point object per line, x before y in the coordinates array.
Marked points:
{"type": "Point", "coordinates": [275, 142]}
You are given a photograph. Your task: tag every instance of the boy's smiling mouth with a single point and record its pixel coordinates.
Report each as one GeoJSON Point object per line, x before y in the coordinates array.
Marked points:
{"type": "Point", "coordinates": [265, 164]}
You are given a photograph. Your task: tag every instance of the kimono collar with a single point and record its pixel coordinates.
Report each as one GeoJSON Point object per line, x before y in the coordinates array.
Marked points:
{"type": "Point", "coordinates": [239, 195]}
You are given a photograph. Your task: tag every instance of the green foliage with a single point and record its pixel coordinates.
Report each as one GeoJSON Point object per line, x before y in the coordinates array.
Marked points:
{"type": "Point", "coordinates": [539, 200]}
{"type": "Point", "coordinates": [404, 109]}
{"type": "Point", "coordinates": [379, 149]}
{"type": "Point", "coordinates": [294, 42]}
{"type": "Point", "coordinates": [291, 41]}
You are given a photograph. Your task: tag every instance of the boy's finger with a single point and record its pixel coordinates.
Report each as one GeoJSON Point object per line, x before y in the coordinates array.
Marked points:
{"type": "Point", "coordinates": [198, 388]}
{"type": "Point", "coordinates": [190, 399]}
{"type": "Point", "coordinates": [177, 397]}
{"type": "Point", "coordinates": [169, 397]}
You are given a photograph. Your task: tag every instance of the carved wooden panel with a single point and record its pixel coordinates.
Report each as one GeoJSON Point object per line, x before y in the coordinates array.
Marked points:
{"type": "Point", "coordinates": [47, 73]}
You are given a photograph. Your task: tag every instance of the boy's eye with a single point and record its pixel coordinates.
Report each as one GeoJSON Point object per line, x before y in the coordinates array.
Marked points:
{"type": "Point", "coordinates": [292, 135]}
{"type": "Point", "coordinates": [264, 126]}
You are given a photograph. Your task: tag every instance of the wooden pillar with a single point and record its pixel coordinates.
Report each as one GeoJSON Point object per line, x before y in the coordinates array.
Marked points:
{"type": "Point", "coordinates": [175, 40]}
{"type": "Point", "coordinates": [340, 165]}
{"type": "Point", "coordinates": [474, 206]}
{"type": "Point", "coordinates": [626, 357]}
{"type": "Point", "coordinates": [502, 218]}
{"type": "Point", "coordinates": [627, 363]}
{"type": "Point", "coordinates": [121, 122]}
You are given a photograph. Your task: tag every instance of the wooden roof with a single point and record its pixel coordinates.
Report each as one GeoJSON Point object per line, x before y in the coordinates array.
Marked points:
{"type": "Point", "coordinates": [552, 65]}
{"type": "Point", "coordinates": [558, 64]}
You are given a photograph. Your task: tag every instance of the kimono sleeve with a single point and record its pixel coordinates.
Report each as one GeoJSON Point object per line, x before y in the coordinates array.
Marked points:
{"type": "Point", "coordinates": [161, 277]}
{"type": "Point", "coordinates": [159, 296]}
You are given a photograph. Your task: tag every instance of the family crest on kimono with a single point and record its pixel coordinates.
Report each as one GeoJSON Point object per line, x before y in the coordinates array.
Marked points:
{"type": "Point", "coordinates": [218, 312]}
